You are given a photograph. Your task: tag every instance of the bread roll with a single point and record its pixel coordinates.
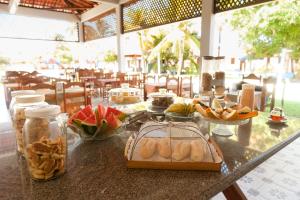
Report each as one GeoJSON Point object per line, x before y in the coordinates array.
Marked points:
{"type": "Point", "coordinates": [198, 150]}
{"type": "Point", "coordinates": [148, 147]}
{"type": "Point", "coordinates": [164, 147]}
{"type": "Point", "coordinates": [181, 150]}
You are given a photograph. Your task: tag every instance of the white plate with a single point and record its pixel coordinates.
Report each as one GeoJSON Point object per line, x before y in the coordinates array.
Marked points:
{"type": "Point", "coordinates": [220, 121]}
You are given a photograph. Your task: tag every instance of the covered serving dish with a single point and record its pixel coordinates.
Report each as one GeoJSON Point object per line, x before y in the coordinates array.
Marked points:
{"type": "Point", "coordinates": [125, 95]}
{"type": "Point", "coordinates": [161, 100]}
{"type": "Point", "coordinates": [172, 145]}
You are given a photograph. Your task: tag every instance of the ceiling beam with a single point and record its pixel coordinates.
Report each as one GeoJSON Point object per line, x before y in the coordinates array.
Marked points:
{"type": "Point", "coordinates": [96, 11]}
{"type": "Point", "coordinates": [110, 2]}
{"type": "Point", "coordinates": [13, 6]}
{"type": "Point", "coordinates": [32, 12]}
{"type": "Point", "coordinates": [106, 5]}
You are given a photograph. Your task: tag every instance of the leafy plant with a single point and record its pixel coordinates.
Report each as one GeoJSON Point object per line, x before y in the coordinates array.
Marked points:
{"type": "Point", "coordinates": [110, 57]}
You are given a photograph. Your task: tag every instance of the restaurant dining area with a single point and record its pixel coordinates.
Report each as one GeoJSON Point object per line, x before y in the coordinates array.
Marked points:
{"type": "Point", "coordinates": [145, 99]}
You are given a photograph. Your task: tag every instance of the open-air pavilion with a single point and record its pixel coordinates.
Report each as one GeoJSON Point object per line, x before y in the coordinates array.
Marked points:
{"type": "Point", "coordinates": [165, 113]}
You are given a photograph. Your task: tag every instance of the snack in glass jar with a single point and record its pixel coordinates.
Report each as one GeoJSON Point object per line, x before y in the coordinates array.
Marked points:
{"type": "Point", "coordinates": [23, 102]}
{"type": "Point", "coordinates": [45, 140]}
{"type": "Point", "coordinates": [206, 81]}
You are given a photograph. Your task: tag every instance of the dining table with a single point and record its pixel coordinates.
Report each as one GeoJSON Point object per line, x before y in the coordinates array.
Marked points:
{"type": "Point", "coordinates": [97, 169]}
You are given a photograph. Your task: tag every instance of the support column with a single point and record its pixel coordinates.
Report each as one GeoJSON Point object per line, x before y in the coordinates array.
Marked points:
{"type": "Point", "coordinates": [207, 31]}
{"type": "Point", "coordinates": [207, 28]}
{"type": "Point", "coordinates": [119, 34]}
{"type": "Point", "coordinates": [80, 32]}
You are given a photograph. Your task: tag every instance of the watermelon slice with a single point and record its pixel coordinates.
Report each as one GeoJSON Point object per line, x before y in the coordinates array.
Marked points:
{"type": "Point", "coordinates": [113, 121]}
{"type": "Point", "coordinates": [91, 121]}
{"type": "Point", "coordinates": [88, 111]}
{"type": "Point", "coordinates": [120, 115]}
{"type": "Point", "coordinates": [79, 116]}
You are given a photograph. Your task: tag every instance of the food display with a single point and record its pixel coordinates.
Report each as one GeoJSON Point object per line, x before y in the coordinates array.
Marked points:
{"type": "Point", "coordinates": [45, 142]}
{"type": "Point", "coordinates": [218, 112]}
{"type": "Point", "coordinates": [172, 145]}
{"type": "Point", "coordinates": [23, 102]}
{"type": "Point", "coordinates": [181, 109]}
{"type": "Point", "coordinates": [96, 124]}
{"type": "Point", "coordinates": [161, 99]}
{"type": "Point", "coordinates": [125, 95]}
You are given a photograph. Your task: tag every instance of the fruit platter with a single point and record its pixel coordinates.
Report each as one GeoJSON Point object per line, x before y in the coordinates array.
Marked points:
{"type": "Point", "coordinates": [96, 124]}
{"type": "Point", "coordinates": [234, 115]}
{"type": "Point", "coordinates": [180, 111]}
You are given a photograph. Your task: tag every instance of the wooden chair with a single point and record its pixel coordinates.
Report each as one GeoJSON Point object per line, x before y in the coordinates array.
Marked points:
{"type": "Point", "coordinates": [27, 82]}
{"type": "Point", "coordinates": [121, 77]}
{"type": "Point", "coordinates": [48, 90]}
{"type": "Point", "coordinates": [252, 78]}
{"type": "Point", "coordinates": [268, 97]}
{"type": "Point", "coordinates": [85, 73]}
{"type": "Point", "coordinates": [134, 80]}
{"type": "Point", "coordinates": [186, 89]}
{"type": "Point", "coordinates": [108, 75]}
{"type": "Point", "coordinates": [99, 75]}
{"type": "Point", "coordinates": [149, 78]}
{"type": "Point", "coordinates": [173, 85]}
{"type": "Point", "coordinates": [56, 80]}
{"type": "Point", "coordinates": [72, 101]}
{"type": "Point", "coordinates": [102, 89]}
{"type": "Point", "coordinates": [162, 78]}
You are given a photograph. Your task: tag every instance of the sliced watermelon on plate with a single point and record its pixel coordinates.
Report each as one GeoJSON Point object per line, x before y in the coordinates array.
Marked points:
{"type": "Point", "coordinates": [79, 116]}
{"type": "Point", "coordinates": [119, 114]}
{"type": "Point", "coordinates": [113, 121]}
{"type": "Point", "coordinates": [90, 121]}
{"type": "Point", "coordinates": [88, 111]}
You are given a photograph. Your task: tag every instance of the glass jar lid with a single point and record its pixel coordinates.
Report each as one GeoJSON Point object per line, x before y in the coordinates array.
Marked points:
{"type": "Point", "coordinates": [35, 98]}
{"type": "Point", "coordinates": [43, 111]}
{"type": "Point", "coordinates": [159, 94]}
{"type": "Point", "coordinates": [21, 92]}
{"type": "Point", "coordinates": [119, 90]}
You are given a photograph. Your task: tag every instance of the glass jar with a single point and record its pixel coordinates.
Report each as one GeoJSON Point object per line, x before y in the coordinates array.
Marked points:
{"type": "Point", "coordinates": [45, 142]}
{"type": "Point", "coordinates": [13, 99]}
{"type": "Point", "coordinates": [247, 96]}
{"type": "Point", "coordinates": [161, 99]}
{"type": "Point", "coordinates": [23, 102]}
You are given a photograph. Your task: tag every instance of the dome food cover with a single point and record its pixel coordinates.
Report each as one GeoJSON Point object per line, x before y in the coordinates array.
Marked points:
{"type": "Point", "coordinates": [125, 95]}
{"type": "Point", "coordinates": [172, 145]}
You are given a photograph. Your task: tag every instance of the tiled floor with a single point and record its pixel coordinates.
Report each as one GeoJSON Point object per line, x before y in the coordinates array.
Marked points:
{"type": "Point", "coordinates": [276, 179]}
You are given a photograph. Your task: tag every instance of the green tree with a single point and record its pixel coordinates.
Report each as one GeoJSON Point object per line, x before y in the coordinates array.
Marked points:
{"type": "Point", "coordinates": [267, 29]}
{"type": "Point", "coordinates": [4, 62]}
{"type": "Point", "coordinates": [110, 57]}
{"type": "Point", "coordinates": [63, 54]}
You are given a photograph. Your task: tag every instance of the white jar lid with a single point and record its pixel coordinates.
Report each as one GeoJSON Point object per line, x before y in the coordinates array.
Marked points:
{"type": "Point", "coordinates": [42, 111]}
{"type": "Point", "coordinates": [34, 98]}
{"type": "Point", "coordinates": [22, 92]}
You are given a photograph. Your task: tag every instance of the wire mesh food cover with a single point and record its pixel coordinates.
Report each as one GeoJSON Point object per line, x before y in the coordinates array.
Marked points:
{"type": "Point", "coordinates": [171, 142]}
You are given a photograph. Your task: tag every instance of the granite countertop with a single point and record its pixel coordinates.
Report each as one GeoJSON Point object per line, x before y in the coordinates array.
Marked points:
{"type": "Point", "coordinates": [97, 169]}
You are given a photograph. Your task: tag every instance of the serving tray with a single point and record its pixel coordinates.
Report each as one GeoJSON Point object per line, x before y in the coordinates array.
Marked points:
{"type": "Point", "coordinates": [174, 165]}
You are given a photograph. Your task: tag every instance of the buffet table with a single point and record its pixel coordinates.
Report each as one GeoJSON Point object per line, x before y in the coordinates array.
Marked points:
{"type": "Point", "coordinates": [97, 169]}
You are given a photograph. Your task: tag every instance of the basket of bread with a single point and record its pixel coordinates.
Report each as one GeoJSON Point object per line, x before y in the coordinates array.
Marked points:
{"type": "Point", "coordinates": [220, 113]}
{"type": "Point", "coordinates": [172, 145]}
